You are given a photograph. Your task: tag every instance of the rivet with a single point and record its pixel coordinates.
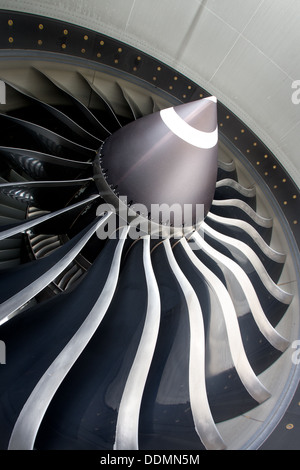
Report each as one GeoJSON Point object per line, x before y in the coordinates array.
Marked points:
{"type": "Point", "coordinates": [201, 95]}
{"type": "Point", "coordinates": [154, 79]}
{"type": "Point", "coordinates": [183, 96]}
{"type": "Point", "coordinates": [227, 117]}
{"type": "Point", "coordinates": [289, 426]}
{"type": "Point", "coordinates": [139, 58]}
{"type": "Point", "coordinates": [257, 163]}
{"type": "Point", "coordinates": [266, 173]}
{"type": "Point", "coordinates": [295, 223]}
{"type": "Point", "coordinates": [285, 203]}
{"type": "Point", "coordinates": [235, 138]}
{"type": "Point", "coordinates": [63, 46]}
{"type": "Point", "coordinates": [83, 51]}
{"type": "Point", "coordinates": [189, 87]}
{"type": "Point", "coordinates": [66, 32]}
{"type": "Point", "coordinates": [274, 167]}
{"type": "Point", "coordinates": [170, 87]}
{"type": "Point", "coordinates": [159, 69]}
{"type": "Point", "coordinates": [40, 42]}
{"type": "Point", "coordinates": [242, 131]}
{"type": "Point", "coordinates": [11, 39]}
{"type": "Point", "coordinates": [41, 26]}
{"type": "Point", "coordinates": [254, 144]}
{"type": "Point", "coordinates": [85, 37]}
{"type": "Point", "coordinates": [134, 69]}
{"type": "Point", "coordinates": [10, 22]}
{"type": "Point", "coordinates": [266, 156]}
{"type": "Point", "coordinates": [175, 78]}
{"type": "Point", "coordinates": [275, 186]}
{"type": "Point", "coordinates": [120, 49]}
{"type": "Point", "coordinates": [284, 180]}
{"type": "Point", "coordinates": [98, 54]}
{"type": "Point", "coordinates": [116, 61]}
{"type": "Point", "coordinates": [294, 196]}
{"type": "Point", "coordinates": [101, 43]}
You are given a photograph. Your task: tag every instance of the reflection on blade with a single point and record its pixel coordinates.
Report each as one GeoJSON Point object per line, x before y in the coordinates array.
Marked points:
{"type": "Point", "coordinates": [128, 417]}
{"type": "Point", "coordinates": [238, 276]}
{"type": "Point", "coordinates": [9, 306]}
{"type": "Point", "coordinates": [240, 360]}
{"type": "Point", "coordinates": [243, 253]}
{"type": "Point", "coordinates": [203, 419]}
{"type": "Point", "coordinates": [246, 227]}
{"type": "Point", "coordinates": [33, 222]}
{"type": "Point", "coordinates": [40, 166]}
{"type": "Point", "coordinates": [29, 420]}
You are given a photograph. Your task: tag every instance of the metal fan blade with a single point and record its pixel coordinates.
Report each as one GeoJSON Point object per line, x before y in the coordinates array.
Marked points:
{"type": "Point", "coordinates": [245, 232]}
{"type": "Point", "coordinates": [36, 405]}
{"type": "Point", "coordinates": [204, 423]}
{"type": "Point", "coordinates": [37, 192]}
{"type": "Point", "coordinates": [236, 276]}
{"type": "Point", "coordinates": [41, 166]}
{"type": "Point", "coordinates": [22, 227]}
{"type": "Point", "coordinates": [244, 255]}
{"type": "Point", "coordinates": [49, 141]}
{"type": "Point", "coordinates": [240, 360]}
{"type": "Point", "coordinates": [23, 285]}
{"type": "Point", "coordinates": [127, 429]}
{"type": "Point", "coordinates": [231, 189]}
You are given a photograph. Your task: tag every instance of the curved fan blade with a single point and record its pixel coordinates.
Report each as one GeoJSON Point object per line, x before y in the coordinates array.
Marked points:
{"type": "Point", "coordinates": [41, 166]}
{"type": "Point", "coordinates": [49, 141]}
{"type": "Point", "coordinates": [42, 192]}
{"type": "Point", "coordinates": [21, 286]}
{"type": "Point", "coordinates": [21, 227]}
{"type": "Point", "coordinates": [37, 111]}
{"type": "Point", "coordinates": [118, 339]}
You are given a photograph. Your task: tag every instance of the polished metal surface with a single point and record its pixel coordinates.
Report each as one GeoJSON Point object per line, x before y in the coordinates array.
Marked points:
{"type": "Point", "coordinates": [204, 423]}
{"type": "Point", "coordinates": [246, 255]}
{"type": "Point", "coordinates": [145, 159]}
{"type": "Point", "coordinates": [127, 429]}
{"type": "Point", "coordinates": [28, 422]}
{"type": "Point", "coordinates": [236, 279]}
{"type": "Point", "coordinates": [53, 269]}
{"type": "Point", "coordinates": [23, 226]}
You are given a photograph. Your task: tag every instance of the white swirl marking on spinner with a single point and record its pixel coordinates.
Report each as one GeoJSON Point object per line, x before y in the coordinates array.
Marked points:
{"type": "Point", "coordinates": [195, 137]}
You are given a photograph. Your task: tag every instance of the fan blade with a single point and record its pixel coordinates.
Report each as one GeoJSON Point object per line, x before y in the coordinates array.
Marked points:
{"type": "Point", "coordinates": [41, 192]}
{"type": "Point", "coordinates": [9, 232]}
{"type": "Point", "coordinates": [51, 142]}
{"type": "Point", "coordinates": [234, 276]}
{"type": "Point", "coordinates": [203, 419]}
{"type": "Point", "coordinates": [245, 255]}
{"type": "Point", "coordinates": [245, 232]}
{"type": "Point", "coordinates": [129, 410]}
{"type": "Point", "coordinates": [111, 116]}
{"type": "Point", "coordinates": [226, 170]}
{"type": "Point", "coordinates": [78, 111]}
{"type": "Point", "coordinates": [39, 111]}
{"type": "Point", "coordinates": [35, 407]}
{"type": "Point", "coordinates": [41, 166]}
{"type": "Point", "coordinates": [28, 282]}
{"type": "Point", "coordinates": [231, 189]}
{"type": "Point", "coordinates": [237, 209]}
{"type": "Point", "coordinates": [240, 360]}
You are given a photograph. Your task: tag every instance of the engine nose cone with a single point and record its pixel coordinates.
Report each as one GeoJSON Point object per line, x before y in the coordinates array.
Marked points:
{"type": "Point", "coordinates": [167, 158]}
